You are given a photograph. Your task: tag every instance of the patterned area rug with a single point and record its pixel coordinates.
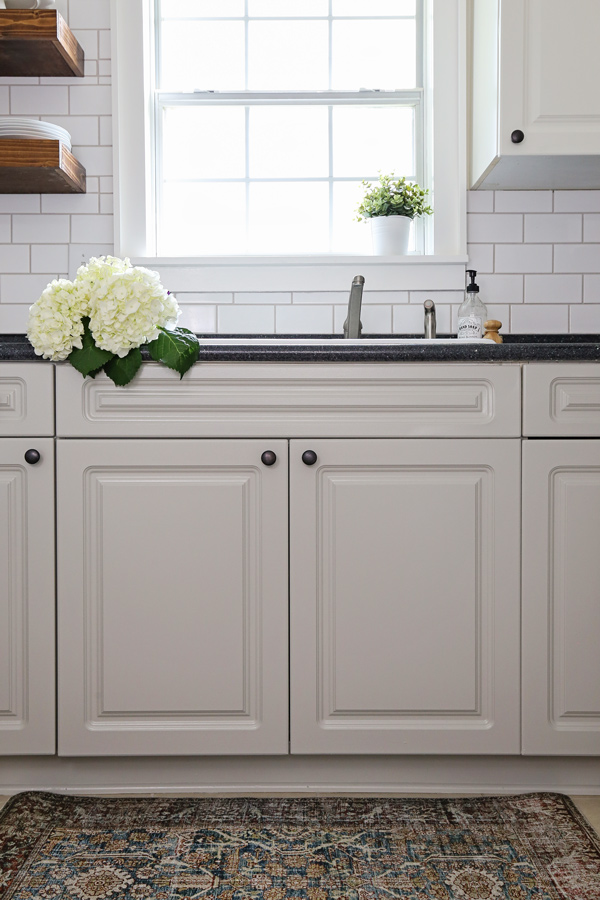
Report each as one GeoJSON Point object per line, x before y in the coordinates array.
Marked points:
{"type": "Point", "coordinates": [512, 848]}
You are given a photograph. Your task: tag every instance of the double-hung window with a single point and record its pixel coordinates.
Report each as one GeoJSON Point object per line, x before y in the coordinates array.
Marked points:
{"type": "Point", "coordinates": [245, 128]}
{"type": "Point", "coordinates": [270, 113]}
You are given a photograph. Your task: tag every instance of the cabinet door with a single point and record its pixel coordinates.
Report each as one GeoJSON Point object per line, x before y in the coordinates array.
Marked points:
{"type": "Point", "coordinates": [550, 71]}
{"type": "Point", "coordinates": [172, 581]}
{"type": "Point", "coordinates": [405, 596]}
{"type": "Point", "coordinates": [27, 676]}
{"type": "Point", "coordinates": [561, 597]}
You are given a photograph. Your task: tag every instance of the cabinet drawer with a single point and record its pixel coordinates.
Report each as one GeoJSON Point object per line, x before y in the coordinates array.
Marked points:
{"type": "Point", "coordinates": [295, 400]}
{"type": "Point", "coordinates": [26, 399]}
{"type": "Point", "coordinates": [561, 400]}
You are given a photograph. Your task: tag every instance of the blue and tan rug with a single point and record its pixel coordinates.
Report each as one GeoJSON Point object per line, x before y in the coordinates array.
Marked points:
{"type": "Point", "coordinates": [531, 847]}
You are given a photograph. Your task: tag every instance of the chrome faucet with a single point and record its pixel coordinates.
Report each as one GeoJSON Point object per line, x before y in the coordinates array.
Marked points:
{"type": "Point", "coordinates": [430, 323]}
{"type": "Point", "coordinates": [353, 325]}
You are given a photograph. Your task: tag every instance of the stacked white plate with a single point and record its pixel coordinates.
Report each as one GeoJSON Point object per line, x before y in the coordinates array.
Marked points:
{"type": "Point", "coordinates": [32, 129]}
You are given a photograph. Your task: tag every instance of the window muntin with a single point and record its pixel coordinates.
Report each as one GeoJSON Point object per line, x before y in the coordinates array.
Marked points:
{"type": "Point", "coordinates": [270, 148]}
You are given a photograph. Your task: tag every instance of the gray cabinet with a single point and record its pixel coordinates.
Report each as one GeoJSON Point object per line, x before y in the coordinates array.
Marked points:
{"type": "Point", "coordinates": [561, 597]}
{"type": "Point", "coordinates": [561, 562]}
{"type": "Point", "coordinates": [27, 673]}
{"type": "Point", "coordinates": [173, 560]}
{"type": "Point", "coordinates": [172, 588]}
{"type": "Point", "coordinates": [405, 596]}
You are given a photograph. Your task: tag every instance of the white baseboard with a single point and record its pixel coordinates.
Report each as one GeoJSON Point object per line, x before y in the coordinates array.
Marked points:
{"type": "Point", "coordinates": [302, 775]}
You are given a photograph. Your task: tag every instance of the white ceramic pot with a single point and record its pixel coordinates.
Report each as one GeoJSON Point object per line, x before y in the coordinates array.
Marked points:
{"type": "Point", "coordinates": [389, 235]}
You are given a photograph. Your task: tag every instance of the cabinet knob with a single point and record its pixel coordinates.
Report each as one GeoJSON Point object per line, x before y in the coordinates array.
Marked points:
{"type": "Point", "coordinates": [32, 457]}
{"type": "Point", "coordinates": [309, 457]}
{"type": "Point", "coordinates": [269, 458]}
{"type": "Point", "coordinates": [517, 136]}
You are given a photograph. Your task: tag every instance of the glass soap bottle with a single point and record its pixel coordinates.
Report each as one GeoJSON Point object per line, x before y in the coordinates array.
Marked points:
{"type": "Point", "coordinates": [472, 312]}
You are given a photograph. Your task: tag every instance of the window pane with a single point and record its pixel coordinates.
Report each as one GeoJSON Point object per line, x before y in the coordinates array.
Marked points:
{"type": "Point", "coordinates": [374, 8]}
{"type": "Point", "coordinates": [286, 56]}
{"type": "Point", "coordinates": [374, 54]}
{"type": "Point", "coordinates": [288, 217]}
{"type": "Point", "coordinates": [204, 142]}
{"type": "Point", "coordinates": [370, 139]}
{"type": "Point", "coordinates": [349, 236]}
{"type": "Point", "coordinates": [203, 56]}
{"type": "Point", "coordinates": [289, 142]}
{"type": "Point", "coordinates": [285, 8]}
{"type": "Point", "coordinates": [194, 9]}
{"type": "Point", "coordinates": [202, 219]}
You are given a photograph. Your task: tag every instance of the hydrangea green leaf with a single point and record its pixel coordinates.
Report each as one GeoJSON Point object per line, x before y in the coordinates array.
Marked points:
{"type": "Point", "coordinates": [177, 348]}
{"type": "Point", "coordinates": [122, 369]}
{"type": "Point", "coordinates": [90, 359]}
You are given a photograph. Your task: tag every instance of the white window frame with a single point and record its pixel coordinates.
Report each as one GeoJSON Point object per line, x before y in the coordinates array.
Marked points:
{"type": "Point", "coordinates": [445, 111]}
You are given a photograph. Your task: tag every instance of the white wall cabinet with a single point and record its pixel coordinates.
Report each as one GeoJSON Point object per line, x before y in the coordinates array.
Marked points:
{"type": "Point", "coordinates": [535, 100]}
{"type": "Point", "coordinates": [172, 563]}
{"type": "Point", "coordinates": [405, 597]}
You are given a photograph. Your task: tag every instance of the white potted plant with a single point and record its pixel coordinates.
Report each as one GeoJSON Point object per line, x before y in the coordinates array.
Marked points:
{"type": "Point", "coordinates": [391, 205]}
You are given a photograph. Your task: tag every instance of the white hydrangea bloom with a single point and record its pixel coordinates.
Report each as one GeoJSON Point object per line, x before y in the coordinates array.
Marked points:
{"type": "Point", "coordinates": [55, 324]}
{"type": "Point", "coordinates": [127, 304]}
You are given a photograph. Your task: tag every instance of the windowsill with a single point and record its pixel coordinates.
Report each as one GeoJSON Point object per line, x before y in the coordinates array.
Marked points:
{"type": "Point", "coordinates": [308, 273]}
{"type": "Point", "coordinates": [322, 259]}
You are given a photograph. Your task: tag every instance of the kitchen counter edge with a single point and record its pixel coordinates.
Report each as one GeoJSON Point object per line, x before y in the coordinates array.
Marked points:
{"type": "Point", "coordinates": [516, 348]}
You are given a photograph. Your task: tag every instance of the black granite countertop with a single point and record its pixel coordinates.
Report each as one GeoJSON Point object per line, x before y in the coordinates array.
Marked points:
{"type": "Point", "coordinates": [516, 348]}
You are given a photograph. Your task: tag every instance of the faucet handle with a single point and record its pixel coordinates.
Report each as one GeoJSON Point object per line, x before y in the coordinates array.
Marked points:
{"type": "Point", "coordinates": [358, 279]}
{"type": "Point", "coordinates": [430, 330]}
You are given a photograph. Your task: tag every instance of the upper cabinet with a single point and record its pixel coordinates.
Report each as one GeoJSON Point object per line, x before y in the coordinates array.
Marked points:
{"type": "Point", "coordinates": [535, 99]}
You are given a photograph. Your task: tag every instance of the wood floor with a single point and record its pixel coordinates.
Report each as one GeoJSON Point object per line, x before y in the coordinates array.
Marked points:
{"type": "Point", "coordinates": [589, 806]}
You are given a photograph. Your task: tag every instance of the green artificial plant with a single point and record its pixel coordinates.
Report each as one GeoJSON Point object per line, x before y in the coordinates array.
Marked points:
{"type": "Point", "coordinates": [393, 197]}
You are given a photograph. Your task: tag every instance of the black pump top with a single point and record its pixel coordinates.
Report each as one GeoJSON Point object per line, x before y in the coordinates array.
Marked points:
{"type": "Point", "coordinates": [472, 287]}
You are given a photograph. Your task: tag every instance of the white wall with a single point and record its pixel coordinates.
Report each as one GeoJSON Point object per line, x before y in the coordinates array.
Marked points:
{"type": "Point", "coordinates": [538, 252]}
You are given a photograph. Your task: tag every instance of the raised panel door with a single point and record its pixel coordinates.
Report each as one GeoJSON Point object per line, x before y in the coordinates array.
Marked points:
{"type": "Point", "coordinates": [550, 70]}
{"type": "Point", "coordinates": [405, 596]}
{"type": "Point", "coordinates": [172, 597]}
{"type": "Point", "coordinates": [561, 597]}
{"type": "Point", "coordinates": [27, 674]}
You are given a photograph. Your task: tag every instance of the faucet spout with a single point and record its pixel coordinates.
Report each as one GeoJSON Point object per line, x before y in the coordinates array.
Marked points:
{"type": "Point", "coordinates": [430, 330]}
{"type": "Point", "coordinates": [353, 325]}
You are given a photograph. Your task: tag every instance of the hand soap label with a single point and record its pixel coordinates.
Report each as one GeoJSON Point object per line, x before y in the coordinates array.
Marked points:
{"type": "Point", "coordinates": [470, 327]}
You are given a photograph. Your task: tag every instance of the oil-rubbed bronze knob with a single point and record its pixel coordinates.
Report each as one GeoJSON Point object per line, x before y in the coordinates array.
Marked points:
{"type": "Point", "coordinates": [517, 136]}
{"type": "Point", "coordinates": [269, 458]}
{"type": "Point", "coordinates": [309, 457]}
{"type": "Point", "coordinates": [32, 457]}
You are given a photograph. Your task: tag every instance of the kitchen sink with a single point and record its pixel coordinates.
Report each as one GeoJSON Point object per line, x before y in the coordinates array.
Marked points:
{"type": "Point", "coordinates": [333, 341]}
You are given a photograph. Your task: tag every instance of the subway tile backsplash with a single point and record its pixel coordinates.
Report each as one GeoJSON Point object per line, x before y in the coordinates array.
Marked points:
{"type": "Point", "coordinates": [537, 252]}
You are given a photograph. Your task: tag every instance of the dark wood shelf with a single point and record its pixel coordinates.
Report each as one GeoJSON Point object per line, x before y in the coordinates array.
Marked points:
{"type": "Point", "coordinates": [38, 42]}
{"type": "Point", "coordinates": [39, 167]}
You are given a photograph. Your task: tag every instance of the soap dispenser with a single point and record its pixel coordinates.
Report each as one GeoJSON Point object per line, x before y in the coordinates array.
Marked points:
{"type": "Point", "coordinates": [472, 312]}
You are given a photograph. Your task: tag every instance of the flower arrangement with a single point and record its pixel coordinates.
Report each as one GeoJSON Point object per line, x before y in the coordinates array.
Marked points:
{"type": "Point", "coordinates": [393, 198]}
{"type": "Point", "coordinates": [100, 320]}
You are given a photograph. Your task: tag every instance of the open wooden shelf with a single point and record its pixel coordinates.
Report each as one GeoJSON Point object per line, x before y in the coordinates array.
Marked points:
{"type": "Point", "coordinates": [39, 167]}
{"type": "Point", "coordinates": [38, 42]}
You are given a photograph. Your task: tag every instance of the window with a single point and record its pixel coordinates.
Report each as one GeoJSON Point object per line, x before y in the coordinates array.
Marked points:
{"type": "Point", "coordinates": [270, 113]}
{"type": "Point", "coordinates": [225, 122]}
